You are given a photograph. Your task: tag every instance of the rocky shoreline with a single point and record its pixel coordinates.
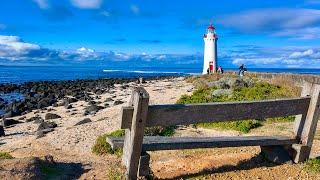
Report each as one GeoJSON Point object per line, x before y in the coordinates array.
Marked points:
{"type": "Point", "coordinates": [40, 95]}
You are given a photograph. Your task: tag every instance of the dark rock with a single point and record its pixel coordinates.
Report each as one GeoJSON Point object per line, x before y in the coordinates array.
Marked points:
{"type": "Point", "coordinates": [2, 133]}
{"type": "Point", "coordinates": [68, 106]}
{"type": "Point", "coordinates": [35, 118]}
{"type": "Point", "coordinates": [22, 118]}
{"type": "Point", "coordinates": [51, 116]}
{"type": "Point", "coordinates": [92, 103]}
{"type": "Point", "coordinates": [8, 114]}
{"type": "Point", "coordinates": [106, 105]}
{"type": "Point", "coordinates": [9, 122]}
{"type": "Point", "coordinates": [276, 154]}
{"type": "Point", "coordinates": [117, 102]}
{"type": "Point", "coordinates": [46, 125]}
{"type": "Point", "coordinates": [86, 120]}
{"type": "Point", "coordinates": [93, 109]}
{"type": "Point", "coordinates": [108, 99]}
{"type": "Point", "coordinates": [41, 133]}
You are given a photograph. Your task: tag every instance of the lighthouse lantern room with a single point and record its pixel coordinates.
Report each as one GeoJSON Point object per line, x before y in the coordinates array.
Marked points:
{"type": "Point", "coordinates": [210, 51]}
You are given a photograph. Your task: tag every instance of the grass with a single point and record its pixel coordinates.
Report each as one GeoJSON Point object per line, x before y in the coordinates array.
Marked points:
{"type": "Point", "coordinates": [312, 165]}
{"type": "Point", "coordinates": [260, 90]}
{"type": "Point", "coordinates": [101, 146]}
{"type": "Point", "coordinates": [115, 173]}
{"type": "Point", "coordinates": [5, 155]}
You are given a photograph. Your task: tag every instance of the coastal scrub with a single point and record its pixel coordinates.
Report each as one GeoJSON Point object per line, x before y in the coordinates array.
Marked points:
{"type": "Point", "coordinates": [5, 155]}
{"type": "Point", "coordinates": [312, 165]}
{"type": "Point", "coordinates": [233, 89]}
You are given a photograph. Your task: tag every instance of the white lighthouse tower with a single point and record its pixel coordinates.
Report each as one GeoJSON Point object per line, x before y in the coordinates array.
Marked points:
{"type": "Point", "coordinates": [210, 51]}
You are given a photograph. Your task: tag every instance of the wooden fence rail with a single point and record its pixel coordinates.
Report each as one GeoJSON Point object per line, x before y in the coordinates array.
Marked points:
{"type": "Point", "coordinates": [139, 114]}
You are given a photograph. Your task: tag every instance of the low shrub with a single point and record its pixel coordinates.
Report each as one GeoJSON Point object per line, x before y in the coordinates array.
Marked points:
{"type": "Point", "coordinates": [259, 90]}
{"type": "Point", "coordinates": [102, 147]}
{"type": "Point", "coordinates": [5, 155]}
{"type": "Point", "coordinates": [312, 165]}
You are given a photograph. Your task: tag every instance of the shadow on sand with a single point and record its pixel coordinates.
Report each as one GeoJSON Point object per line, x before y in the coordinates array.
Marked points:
{"type": "Point", "coordinates": [255, 162]}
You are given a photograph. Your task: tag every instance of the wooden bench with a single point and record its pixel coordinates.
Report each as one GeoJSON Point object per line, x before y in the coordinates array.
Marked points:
{"type": "Point", "coordinates": [139, 114]}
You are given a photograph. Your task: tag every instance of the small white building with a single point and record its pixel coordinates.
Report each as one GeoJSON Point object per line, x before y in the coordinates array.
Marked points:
{"type": "Point", "coordinates": [210, 51]}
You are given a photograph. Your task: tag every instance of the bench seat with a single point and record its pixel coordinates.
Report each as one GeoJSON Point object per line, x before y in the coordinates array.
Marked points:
{"type": "Point", "coordinates": [155, 143]}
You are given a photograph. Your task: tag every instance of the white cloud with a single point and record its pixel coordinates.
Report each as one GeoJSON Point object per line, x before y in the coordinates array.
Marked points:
{"type": "Point", "coordinates": [43, 4]}
{"type": "Point", "coordinates": [135, 9]}
{"type": "Point", "coordinates": [295, 23]}
{"type": "Point", "coordinates": [87, 4]}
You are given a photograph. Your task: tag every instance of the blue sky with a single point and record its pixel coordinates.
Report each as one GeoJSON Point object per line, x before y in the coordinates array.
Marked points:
{"type": "Point", "coordinates": [258, 33]}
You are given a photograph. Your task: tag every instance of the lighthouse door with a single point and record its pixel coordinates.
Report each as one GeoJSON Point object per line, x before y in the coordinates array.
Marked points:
{"type": "Point", "coordinates": [211, 66]}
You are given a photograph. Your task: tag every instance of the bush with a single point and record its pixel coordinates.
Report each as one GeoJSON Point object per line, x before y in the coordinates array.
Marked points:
{"type": "Point", "coordinates": [102, 147]}
{"type": "Point", "coordinates": [258, 91]}
{"type": "Point", "coordinates": [5, 155]}
{"type": "Point", "coordinates": [312, 165]}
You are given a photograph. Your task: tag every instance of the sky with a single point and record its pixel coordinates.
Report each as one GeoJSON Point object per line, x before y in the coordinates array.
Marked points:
{"type": "Point", "coordinates": [263, 34]}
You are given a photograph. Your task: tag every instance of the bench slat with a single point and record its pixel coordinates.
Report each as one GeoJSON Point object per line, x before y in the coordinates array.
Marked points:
{"type": "Point", "coordinates": [154, 143]}
{"type": "Point", "coordinates": [175, 114]}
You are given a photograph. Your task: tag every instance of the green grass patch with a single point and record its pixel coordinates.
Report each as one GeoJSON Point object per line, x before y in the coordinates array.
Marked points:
{"type": "Point", "coordinates": [5, 155]}
{"type": "Point", "coordinates": [258, 91]}
{"type": "Point", "coordinates": [312, 165]}
{"type": "Point", "coordinates": [159, 131]}
{"type": "Point", "coordinates": [242, 126]}
{"type": "Point", "coordinates": [102, 147]}
{"type": "Point", "coordinates": [115, 173]}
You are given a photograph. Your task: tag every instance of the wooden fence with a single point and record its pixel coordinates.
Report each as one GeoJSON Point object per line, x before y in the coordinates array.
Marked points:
{"type": "Point", "coordinates": [139, 114]}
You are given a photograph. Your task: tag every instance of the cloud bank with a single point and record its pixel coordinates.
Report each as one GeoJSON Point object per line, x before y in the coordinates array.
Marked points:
{"type": "Point", "coordinates": [280, 22]}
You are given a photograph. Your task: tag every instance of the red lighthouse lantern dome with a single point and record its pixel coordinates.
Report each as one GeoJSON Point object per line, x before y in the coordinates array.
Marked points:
{"type": "Point", "coordinates": [211, 27]}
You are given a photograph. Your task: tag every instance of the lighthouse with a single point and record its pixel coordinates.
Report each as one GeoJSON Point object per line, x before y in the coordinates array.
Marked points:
{"type": "Point", "coordinates": [210, 51]}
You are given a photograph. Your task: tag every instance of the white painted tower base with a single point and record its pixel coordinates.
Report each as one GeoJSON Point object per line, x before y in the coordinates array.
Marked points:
{"type": "Point", "coordinates": [210, 51]}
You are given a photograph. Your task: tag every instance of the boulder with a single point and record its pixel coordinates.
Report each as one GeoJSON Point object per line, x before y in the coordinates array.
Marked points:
{"type": "Point", "coordinates": [86, 120]}
{"type": "Point", "coordinates": [36, 119]}
{"type": "Point", "coordinates": [9, 122]}
{"type": "Point", "coordinates": [51, 116]}
{"type": "Point", "coordinates": [41, 133]}
{"type": "Point", "coordinates": [2, 131]}
{"type": "Point", "coordinates": [108, 99]}
{"type": "Point", "coordinates": [117, 102]}
{"type": "Point", "coordinates": [46, 125]}
{"type": "Point", "coordinates": [93, 109]}
{"type": "Point", "coordinates": [68, 106]}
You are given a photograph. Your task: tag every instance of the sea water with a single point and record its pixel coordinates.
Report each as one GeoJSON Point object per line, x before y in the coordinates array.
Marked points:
{"type": "Point", "coordinates": [21, 74]}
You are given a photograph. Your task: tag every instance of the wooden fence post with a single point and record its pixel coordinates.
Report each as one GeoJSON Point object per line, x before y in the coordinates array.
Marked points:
{"type": "Point", "coordinates": [300, 119]}
{"type": "Point", "coordinates": [305, 128]}
{"type": "Point", "coordinates": [134, 135]}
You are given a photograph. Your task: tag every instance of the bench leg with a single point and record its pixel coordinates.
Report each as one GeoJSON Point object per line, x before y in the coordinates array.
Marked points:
{"type": "Point", "coordinates": [144, 168]}
{"type": "Point", "coordinates": [276, 154]}
{"type": "Point", "coordinates": [300, 152]}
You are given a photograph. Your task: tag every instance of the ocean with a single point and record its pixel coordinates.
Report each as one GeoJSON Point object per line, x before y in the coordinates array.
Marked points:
{"type": "Point", "coordinates": [21, 74]}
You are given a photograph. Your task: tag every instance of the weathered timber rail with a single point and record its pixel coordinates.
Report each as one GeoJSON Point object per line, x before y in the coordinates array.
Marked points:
{"type": "Point", "coordinates": [139, 114]}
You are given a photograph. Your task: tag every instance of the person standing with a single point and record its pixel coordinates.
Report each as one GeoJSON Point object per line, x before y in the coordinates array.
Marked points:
{"type": "Point", "coordinates": [241, 70]}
